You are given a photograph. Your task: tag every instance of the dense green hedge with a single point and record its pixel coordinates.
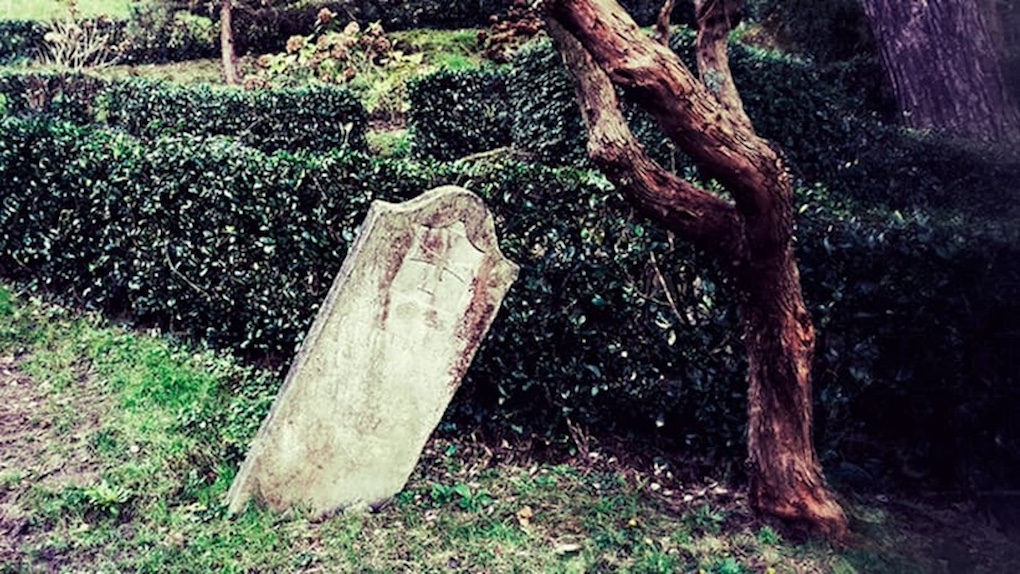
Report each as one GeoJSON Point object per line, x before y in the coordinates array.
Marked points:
{"type": "Point", "coordinates": [216, 240]}
{"type": "Point", "coordinates": [312, 118]}
{"type": "Point", "coordinates": [19, 40]}
{"type": "Point", "coordinates": [456, 113]}
{"type": "Point", "coordinates": [789, 101]}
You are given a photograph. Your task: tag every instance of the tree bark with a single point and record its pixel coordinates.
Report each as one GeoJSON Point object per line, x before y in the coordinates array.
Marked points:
{"type": "Point", "coordinates": [945, 65]}
{"type": "Point", "coordinates": [752, 234]}
{"type": "Point", "coordinates": [715, 20]}
{"type": "Point", "coordinates": [227, 43]}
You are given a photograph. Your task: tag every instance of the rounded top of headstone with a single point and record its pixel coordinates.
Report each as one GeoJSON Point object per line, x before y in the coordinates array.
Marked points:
{"type": "Point", "coordinates": [443, 206]}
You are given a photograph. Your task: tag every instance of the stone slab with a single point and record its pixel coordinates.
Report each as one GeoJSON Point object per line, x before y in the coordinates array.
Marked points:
{"type": "Point", "coordinates": [412, 301]}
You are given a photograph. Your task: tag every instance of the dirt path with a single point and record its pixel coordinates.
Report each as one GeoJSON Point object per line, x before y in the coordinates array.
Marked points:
{"type": "Point", "coordinates": [44, 442]}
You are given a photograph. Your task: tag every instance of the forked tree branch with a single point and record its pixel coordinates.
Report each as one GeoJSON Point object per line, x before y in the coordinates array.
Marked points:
{"type": "Point", "coordinates": [716, 18]}
{"type": "Point", "coordinates": [716, 138]}
{"type": "Point", "coordinates": [697, 215]}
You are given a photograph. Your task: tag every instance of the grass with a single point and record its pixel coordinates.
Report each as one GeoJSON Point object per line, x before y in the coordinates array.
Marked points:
{"type": "Point", "coordinates": [50, 9]}
{"type": "Point", "coordinates": [207, 71]}
{"type": "Point", "coordinates": [147, 434]}
{"type": "Point", "coordinates": [453, 49]}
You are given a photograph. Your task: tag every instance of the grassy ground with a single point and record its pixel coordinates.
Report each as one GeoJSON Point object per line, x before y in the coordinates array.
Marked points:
{"type": "Point", "coordinates": [49, 9]}
{"type": "Point", "coordinates": [116, 449]}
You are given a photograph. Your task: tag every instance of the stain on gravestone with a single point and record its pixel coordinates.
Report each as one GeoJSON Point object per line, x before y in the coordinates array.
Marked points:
{"type": "Point", "coordinates": [405, 315]}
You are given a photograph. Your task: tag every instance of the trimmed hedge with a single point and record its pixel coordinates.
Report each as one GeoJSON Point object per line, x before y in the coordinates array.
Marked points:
{"type": "Point", "coordinates": [312, 118]}
{"type": "Point", "coordinates": [826, 120]}
{"type": "Point", "coordinates": [457, 113]}
{"type": "Point", "coordinates": [19, 40]}
{"type": "Point", "coordinates": [216, 240]}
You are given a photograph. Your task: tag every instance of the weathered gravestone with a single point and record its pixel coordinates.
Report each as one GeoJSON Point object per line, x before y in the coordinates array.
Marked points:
{"type": "Point", "coordinates": [405, 315]}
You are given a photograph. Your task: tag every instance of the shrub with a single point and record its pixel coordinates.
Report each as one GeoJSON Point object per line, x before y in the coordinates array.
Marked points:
{"type": "Point", "coordinates": [20, 40]}
{"type": "Point", "coordinates": [546, 122]}
{"type": "Point", "coordinates": [68, 96]}
{"type": "Point", "coordinates": [457, 113]}
{"type": "Point", "coordinates": [311, 118]}
{"type": "Point", "coordinates": [824, 129]}
{"type": "Point", "coordinates": [158, 31]}
{"type": "Point", "coordinates": [314, 117]}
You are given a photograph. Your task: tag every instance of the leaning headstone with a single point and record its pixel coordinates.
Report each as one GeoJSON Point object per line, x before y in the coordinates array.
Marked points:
{"type": "Point", "coordinates": [398, 329]}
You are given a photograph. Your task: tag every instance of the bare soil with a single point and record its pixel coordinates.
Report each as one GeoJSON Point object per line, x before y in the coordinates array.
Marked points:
{"type": "Point", "coordinates": [44, 442]}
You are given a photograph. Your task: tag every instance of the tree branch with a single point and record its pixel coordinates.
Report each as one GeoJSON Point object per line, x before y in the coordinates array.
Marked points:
{"type": "Point", "coordinates": [689, 114]}
{"type": "Point", "coordinates": [704, 219]}
{"type": "Point", "coordinates": [661, 34]}
{"type": "Point", "coordinates": [716, 18]}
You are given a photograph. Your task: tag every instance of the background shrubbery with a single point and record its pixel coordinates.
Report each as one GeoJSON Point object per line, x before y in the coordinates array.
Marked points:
{"type": "Point", "coordinates": [457, 113]}
{"type": "Point", "coordinates": [309, 118]}
{"type": "Point", "coordinates": [19, 40]}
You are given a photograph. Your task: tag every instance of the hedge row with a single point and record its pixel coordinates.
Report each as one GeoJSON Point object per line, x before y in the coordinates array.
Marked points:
{"type": "Point", "coordinates": [266, 29]}
{"type": "Point", "coordinates": [150, 36]}
{"type": "Point", "coordinates": [215, 240]}
{"type": "Point", "coordinates": [312, 118]}
{"type": "Point", "coordinates": [790, 102]}
{"type": "Point", "coordinates": [19, 40]}
{"type": "Point", "coordinates": [457, 113]}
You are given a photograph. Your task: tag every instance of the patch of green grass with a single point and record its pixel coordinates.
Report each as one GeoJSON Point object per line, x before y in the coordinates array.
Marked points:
{"type": "Point", "coordinates": [50, 9]}
{"type": "Point", "coordinates": [441, 46]}
{"type": "Point", "coordinates": [207, 71]}
{"type": "Point", "coordinates": [391, 144]}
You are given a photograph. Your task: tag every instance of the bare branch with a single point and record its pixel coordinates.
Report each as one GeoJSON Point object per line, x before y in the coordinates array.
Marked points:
{"type": "Point", "coordinates": [701, 217]}
{"type": "Point", "coordinates": [661, 34]}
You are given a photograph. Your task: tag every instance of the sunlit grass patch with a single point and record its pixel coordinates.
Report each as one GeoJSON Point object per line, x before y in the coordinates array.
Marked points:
{"type": "Point", "coordinates": [50, 9]}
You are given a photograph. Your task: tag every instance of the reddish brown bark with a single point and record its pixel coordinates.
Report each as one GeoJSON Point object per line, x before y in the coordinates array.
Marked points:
{"type": "Point", "coordinates": [752, 235]}
{"type": "Point", "coordinates": [715, 20]}
{"type": "Point", "coordinates": [661, 34]}
{"type": "Point", "coordinates": [944, 61]}
{"type": "Point", "coordinates": [228, 55]}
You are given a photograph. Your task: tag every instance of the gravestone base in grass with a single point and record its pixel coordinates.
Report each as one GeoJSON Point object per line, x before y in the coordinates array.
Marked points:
{"type": "Point", "coordinates": [415, 296]}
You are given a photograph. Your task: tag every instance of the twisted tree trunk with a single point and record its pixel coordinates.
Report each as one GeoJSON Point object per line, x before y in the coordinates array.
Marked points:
{"type": "Point", "coordinates": [751, 234]}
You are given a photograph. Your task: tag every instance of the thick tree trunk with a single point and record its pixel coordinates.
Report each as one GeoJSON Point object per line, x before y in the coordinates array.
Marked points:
{"type": "Point", "coordinates": [786, 477]}
{"type": "Point", "coordinates": [944, 61]}
{"type": "Point", "coordinates": [227, 43]}
{"type": "Point", "coordinates": [752, 235]}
